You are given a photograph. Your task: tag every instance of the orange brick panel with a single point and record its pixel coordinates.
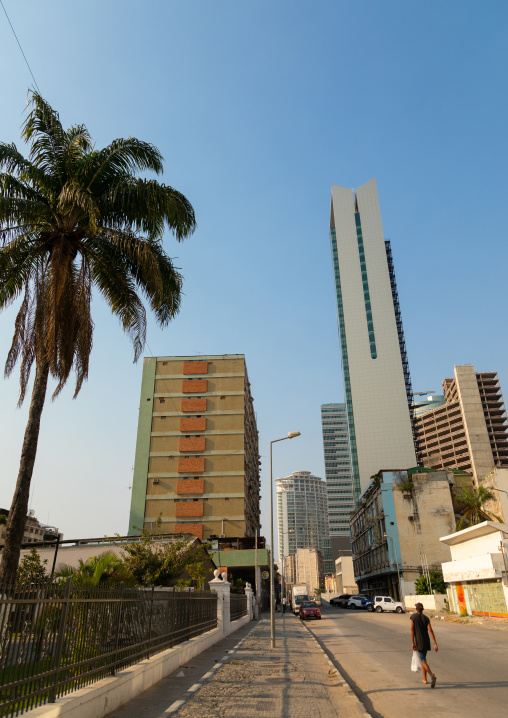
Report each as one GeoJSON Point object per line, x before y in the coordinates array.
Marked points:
{"type": "Point", "coordinates": [193, 424]}
{"type": "Point", "coordinates": [193, 444]}
{"type": "Point", "coordinates": [188, 508]}
{"type": "Point", "coordinates": [190, 486]}
{"type": "Point", "coordinates": [194, 405]}
{"type": "Point", "coordinates": [191, 466]}
{"type": "Point", "coordinates": [193, 529]}
{"type": "Point", "coordinates": [195, 367]}
{"type": "Point", "coordinates": [194, 386]}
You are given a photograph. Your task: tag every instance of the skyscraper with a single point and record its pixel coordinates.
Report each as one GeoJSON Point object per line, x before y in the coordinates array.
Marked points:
{"type": "Point", "coordinates": [377, 385]}
{"type": "Point", "coordinates": [339, 479]}
{"type": "Point", "coordinates": [197, 459]}
{"type": "Point", "coordinates": [302, 517]}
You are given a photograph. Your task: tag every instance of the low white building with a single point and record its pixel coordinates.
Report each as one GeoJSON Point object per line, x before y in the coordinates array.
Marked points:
{"type": "Point", "coordinates": [477, 573]}
{"type": "Point", "coordinates": [344, 575]}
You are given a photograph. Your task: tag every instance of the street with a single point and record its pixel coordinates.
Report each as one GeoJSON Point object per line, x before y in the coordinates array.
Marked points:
{"type": "Point", "coordinates": [374, 653]}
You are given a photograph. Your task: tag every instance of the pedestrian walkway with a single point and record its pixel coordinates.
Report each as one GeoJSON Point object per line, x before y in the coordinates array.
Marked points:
{"type": "Point", "coordinates": [251, 680]}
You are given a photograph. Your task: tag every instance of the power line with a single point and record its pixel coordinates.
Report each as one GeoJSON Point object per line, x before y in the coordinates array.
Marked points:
{"type": "Point", "coordinates": [14, 33]}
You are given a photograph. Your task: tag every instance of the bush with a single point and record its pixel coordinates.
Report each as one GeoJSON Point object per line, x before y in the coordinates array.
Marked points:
{"type": "Point", "coordinates": [422, 587]}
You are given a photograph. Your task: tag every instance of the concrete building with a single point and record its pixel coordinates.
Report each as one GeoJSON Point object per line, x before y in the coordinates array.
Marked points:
{"type": "Point", "coordinates": [197, 458]}
{"type": "Point", "coordinates": [345, 575]}
{"type": "Point", "coordinates": [469, 431]}
{"type": "Point", "coordinates": [427, 403]}
{"type": "Point", "coordinates": [397, 529]}
{"type": "Point", "coordinates": [310, 568]}
{"type": "Point", "coordinates": [34, 532]}
{"type": "Point", "coordinates": [290, 569]}
{"type": "Point", "coordinates": [477, 573]}
{"type": "Point", "coordinates": [377, 385]}
{"type": "Point", "coordinates": [302, 517]}
{"type": "Point", "coordinates": [338, 474]}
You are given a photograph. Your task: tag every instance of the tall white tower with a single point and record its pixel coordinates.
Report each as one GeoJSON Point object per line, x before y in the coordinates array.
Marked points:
{"type": "Point", "coordinates": [377, 386]}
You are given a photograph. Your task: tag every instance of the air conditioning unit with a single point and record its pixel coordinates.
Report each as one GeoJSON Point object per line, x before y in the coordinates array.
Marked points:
{"type": "Point", "coordinates": [222, 536]}
{"type": "Point", "coordinates": [155, 481]}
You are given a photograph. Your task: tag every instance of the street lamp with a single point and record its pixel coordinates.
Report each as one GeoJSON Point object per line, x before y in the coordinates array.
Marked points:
{"type": "Point", "coordinates": [291, 435]}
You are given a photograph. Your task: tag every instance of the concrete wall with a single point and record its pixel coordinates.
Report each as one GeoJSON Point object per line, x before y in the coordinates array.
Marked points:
{"type": "Point", "coordinates": [434, 602]}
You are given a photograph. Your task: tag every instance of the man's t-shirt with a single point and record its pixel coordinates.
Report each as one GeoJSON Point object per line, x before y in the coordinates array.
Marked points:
{"type": "Point", "coordinates": [421, 631]}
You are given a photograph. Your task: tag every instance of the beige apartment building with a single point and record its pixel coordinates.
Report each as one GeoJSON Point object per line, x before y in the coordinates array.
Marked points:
{"type": "Point", "coordinates": [310, 568]}
{"type": "Point", "coordinates": [469, 431]}
{"type": "Point", "coordinates": [34, 532]}
{"type": "Point", "coordinates": [197, 457]}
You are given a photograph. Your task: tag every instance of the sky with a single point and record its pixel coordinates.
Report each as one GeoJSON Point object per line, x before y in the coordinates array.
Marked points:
{"type": "Point", "coordinates": [258, 108]}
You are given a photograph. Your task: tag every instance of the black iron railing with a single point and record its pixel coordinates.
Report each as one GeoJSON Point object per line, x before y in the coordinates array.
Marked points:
{"type": "Point", "coordinates": [55, 639]}
{"type": "Point", "coordinates": [238, 606]}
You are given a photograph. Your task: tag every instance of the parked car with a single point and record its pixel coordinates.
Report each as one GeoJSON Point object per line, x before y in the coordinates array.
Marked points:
{"type": "Point", "coordinates": [341, 600]}
{"type": "Point", "coordinates": [360, 602]}
{"type": "Point", "coordinates": [309, 609]}
{"type": "Point", "coordinates": [386, 603]}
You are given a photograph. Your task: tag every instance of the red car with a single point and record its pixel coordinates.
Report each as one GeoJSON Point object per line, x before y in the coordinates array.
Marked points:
{"type": "Point", "coordinates": [309, 609]}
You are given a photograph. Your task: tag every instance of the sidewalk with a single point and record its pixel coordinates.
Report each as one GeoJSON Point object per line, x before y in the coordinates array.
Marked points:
{"type": "Point", "coordinates": [294, 680]}
{"type": "Point", "coordinates": [242, 677]}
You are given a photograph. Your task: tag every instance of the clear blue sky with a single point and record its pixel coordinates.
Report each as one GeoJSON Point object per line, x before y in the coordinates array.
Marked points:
{"type": "Point", "coordinates": [258, 108]}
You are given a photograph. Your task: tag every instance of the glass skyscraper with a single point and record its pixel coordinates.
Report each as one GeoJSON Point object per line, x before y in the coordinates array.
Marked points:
{"type": "Point", "coordinates": [338, 474]}
{"type": "Point", "coordinates": [377, 385]}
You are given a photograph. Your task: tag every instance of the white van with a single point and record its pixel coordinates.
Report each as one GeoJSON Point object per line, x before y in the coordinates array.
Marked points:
{"type": "Point", "coordinates": [386, 603]}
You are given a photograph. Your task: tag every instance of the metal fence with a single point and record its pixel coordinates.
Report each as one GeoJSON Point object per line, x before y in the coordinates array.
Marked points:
{"type": "Point", "coordinates": [55, 639]}
{"type": "Point", "coordinates": [238, 606]}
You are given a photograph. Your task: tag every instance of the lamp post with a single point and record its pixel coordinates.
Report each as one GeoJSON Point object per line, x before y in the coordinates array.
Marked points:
{"type": "Point", "coordinates": [291, 435]}
{"type": "Point", "coordinates": [390, 538]}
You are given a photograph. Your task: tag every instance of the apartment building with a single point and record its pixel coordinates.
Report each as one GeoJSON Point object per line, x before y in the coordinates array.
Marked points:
{"type": "Point", "coordinates": [377, 385]}
{"type": "Point", "coordinates": [34, 532]}
{"type": "Point", "coordinates": [397, 529]}
{"type": "Point", "coordinates": [310, 568]}
{"type": "Point", "coordinates": [469, 431]}
{"type": "Point", "coordinates": [197, 458]}
{"type": "Point", "coordinates": [302, 517]}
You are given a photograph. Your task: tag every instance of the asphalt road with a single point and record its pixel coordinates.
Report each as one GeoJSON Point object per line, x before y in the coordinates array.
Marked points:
{"type": "Point", "coordinates": [374, 652]}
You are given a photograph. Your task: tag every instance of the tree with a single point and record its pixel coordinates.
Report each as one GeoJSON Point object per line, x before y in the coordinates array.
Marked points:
{"type": "Point", "coordinates": [72, 219]}
{"type": "Point", "coordinates": [153, 562]}
{"type": "Point", "coordinates": [96, 570]}
{"type": "Point", "coordinates": [422, 587]}
{"type": "Point", "coordinates": [471, 503]}
{"type": "Point", "coordinates": [31, 569]}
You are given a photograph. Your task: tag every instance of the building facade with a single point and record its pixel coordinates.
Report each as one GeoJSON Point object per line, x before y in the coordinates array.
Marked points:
{"type": "Point", "coordinates": [477, 572]}
{"type": "Point", "coordinates": [469, 431]}
{"type": "Point", "coordinates": [339, 479]}
{"type": "Point", "coordinates": [302, 516]}
{"type": "Point", "coordinates": [377, 384]}
{"type": "Point", "coordinates": [197, 458]}
{"type": "Point", "coordinates": [310, 569]}
{"type": "Point", "coordinates": [345, 575]}
{"type": "Point", "coordinates": [34, 532]}
{"type": "Point", "coordinates": [396, 532]}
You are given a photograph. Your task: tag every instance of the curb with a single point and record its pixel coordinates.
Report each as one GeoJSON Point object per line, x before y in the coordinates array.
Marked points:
{"type": "Point", "coordinates": [336, 668]}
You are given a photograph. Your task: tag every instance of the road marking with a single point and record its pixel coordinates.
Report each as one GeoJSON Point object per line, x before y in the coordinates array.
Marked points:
{"type": "Point", "coordinates": [194, 688]}
{"type": "Point", "coordinates": [173, 707]}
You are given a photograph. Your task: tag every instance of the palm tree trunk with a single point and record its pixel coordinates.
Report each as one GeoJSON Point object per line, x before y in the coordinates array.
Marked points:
{"type": "Point", "coordinates": [19, 507]}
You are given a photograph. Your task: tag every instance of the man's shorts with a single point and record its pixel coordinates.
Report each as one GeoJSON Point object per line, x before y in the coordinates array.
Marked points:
{"type": "Point", "coordinates": [423, 655]}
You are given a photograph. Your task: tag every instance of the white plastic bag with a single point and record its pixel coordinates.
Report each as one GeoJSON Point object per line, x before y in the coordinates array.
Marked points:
{"type": "Point", "coordinates": [416, 662]}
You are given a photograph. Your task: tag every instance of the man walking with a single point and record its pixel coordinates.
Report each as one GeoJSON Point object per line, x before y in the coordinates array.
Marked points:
{"type": "Point", "coordinates": [420, 629]}
{"type": "Point", "coordinates": [283, 604]}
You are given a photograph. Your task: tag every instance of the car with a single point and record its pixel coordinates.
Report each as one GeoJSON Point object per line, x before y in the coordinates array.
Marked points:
{"type": "Point", "coordinates": [309, 609]}
{"type": "Point", "coordinates": [360, 602]}
{"type": "Point", "coordinates": [341, 600]}
{"type": "Point", "coordinates": [386, 603]}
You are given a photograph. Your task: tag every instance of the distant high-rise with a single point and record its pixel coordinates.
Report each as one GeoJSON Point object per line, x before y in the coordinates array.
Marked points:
{"type": "Point", "coordinates": [377, 385]}
{"type": "Point", "coordinates": [339, 479]}
{"type": "Point", "coordinates": [469, 430]}
{"type": "Point", "coordinates": [302, 517]}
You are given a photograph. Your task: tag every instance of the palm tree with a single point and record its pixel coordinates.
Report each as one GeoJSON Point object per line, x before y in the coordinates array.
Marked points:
{"type": "Point", "coordinates": [72, 218]}
{"type": "Point", "coordinates": [97, 569]}
{"type": "Point", "coordinates": [471, 503]}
